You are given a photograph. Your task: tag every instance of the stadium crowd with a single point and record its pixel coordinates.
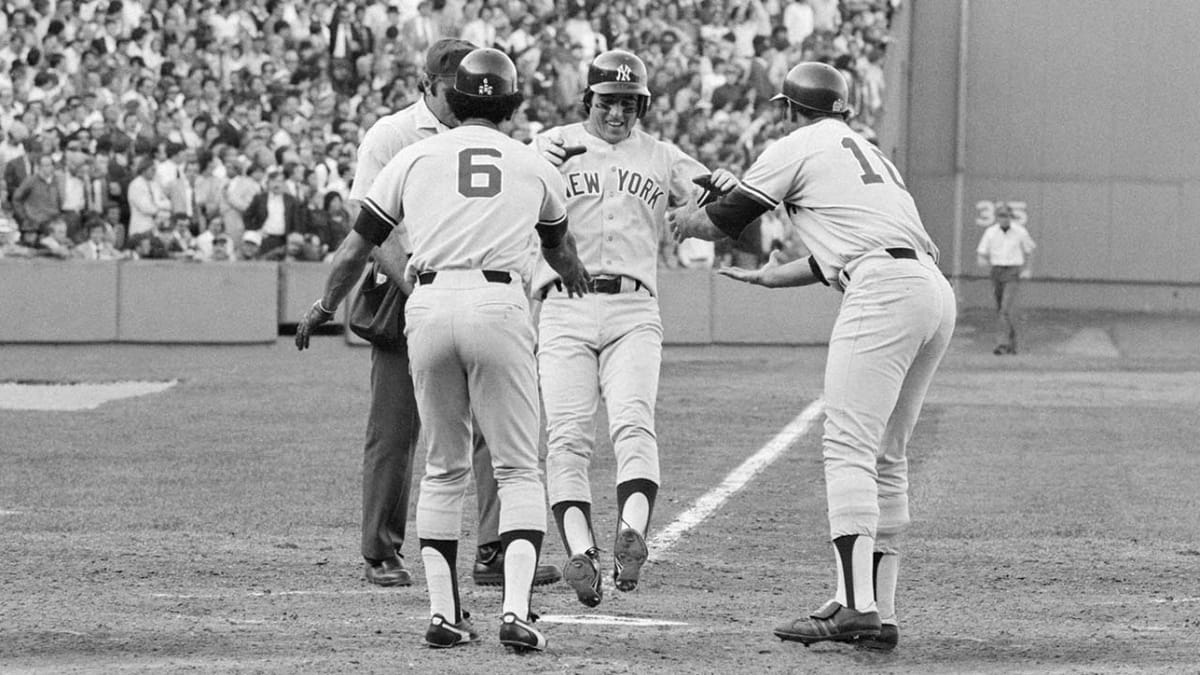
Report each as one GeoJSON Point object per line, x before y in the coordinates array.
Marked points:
{"type": "Point", "coordinates": [227, 129]}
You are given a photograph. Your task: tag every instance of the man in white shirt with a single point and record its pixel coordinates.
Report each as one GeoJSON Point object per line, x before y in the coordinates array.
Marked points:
{"type": "Point", "coordinates": [1006, 247]}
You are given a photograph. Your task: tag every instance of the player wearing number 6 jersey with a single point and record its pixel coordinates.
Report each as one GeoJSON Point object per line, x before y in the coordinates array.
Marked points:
{"type": "Point", "coordinates": [859, 223]}
{"type": "Point", "coordinates": [471, 200]}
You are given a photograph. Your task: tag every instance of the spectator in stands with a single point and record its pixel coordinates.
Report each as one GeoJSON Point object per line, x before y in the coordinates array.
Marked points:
{"type": "Point", "coordinates": [54, 242]}
{"type": "Point", "coordinates": [21, 166]}
{"type": "Point", "coordinates": [97, 245]}
{"type": "Point", "coordinates": [38, 199]}
{"type": "Point", "coordinates": [238, 193]}
{"type": "Point", "coordinates": [250, 245]}
{"type": "Point", "coordinates": [275, 212]}
{"type": "Point", "coordinates": [146, 200]}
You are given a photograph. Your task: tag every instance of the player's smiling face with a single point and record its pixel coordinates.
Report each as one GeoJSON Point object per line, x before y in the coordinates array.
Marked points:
{"type": "Point", "coordinates": [612, 116]}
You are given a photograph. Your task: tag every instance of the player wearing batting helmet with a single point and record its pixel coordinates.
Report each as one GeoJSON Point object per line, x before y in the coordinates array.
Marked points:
{"type": "Point", "coordinates": [392, 420]}
{"type": "Point", "coordinates": [854, 214]}
{"type": "Point", "coordinates": [468, 327]}
{"type": "Point", "coordinates": [608, 345]}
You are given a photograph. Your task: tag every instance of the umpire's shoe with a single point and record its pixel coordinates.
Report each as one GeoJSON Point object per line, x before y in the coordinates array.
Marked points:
{"type": "Point", "coordinates": [832, 622]}
{"type": "Point", "coordinates": [629, 554]}
{"type": "Point", "coordinates": [520, 636]}
{"type": "Point", "coordinates": [390, 572]}
{"type": "Point", "coordinates": [442, 634]}
{"type": "Point", "coordinates": [583, 575]}
{"type": "Point", "coordinates": [489, 569]}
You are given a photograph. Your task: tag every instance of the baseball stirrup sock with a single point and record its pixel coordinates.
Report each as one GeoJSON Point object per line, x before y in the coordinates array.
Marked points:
{"type": "Point", "coordinates": [439, 556]}
{"type": "Point", "coordinates": [635, 504]}
{"type": "Point", "coordinates": [521, 551]}
{"type": "Point", "coordinates": [574, 521]}
{"type": "Point", "coordinates": [887, 574]}
{"type": "Point", "coordinates": [855, 562]}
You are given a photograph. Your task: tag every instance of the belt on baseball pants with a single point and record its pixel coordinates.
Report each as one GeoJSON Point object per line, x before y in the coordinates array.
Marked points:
{"type": "Point", "coordinates": [608, 285]}
{"type": "Point", "coordinates": [897, 253]}
{"type": "Point", "coordinates": [494, 276]}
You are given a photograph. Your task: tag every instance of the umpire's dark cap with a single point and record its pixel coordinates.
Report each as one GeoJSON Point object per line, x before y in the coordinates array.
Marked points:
{"type": "Point", "coordinates": [443, 56]}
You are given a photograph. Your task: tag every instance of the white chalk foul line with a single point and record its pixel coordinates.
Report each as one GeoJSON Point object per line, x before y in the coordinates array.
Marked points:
{"type": "Point", "coordinates": [608, 620]}
{"type": "Point", "coordinates": [737, 479]}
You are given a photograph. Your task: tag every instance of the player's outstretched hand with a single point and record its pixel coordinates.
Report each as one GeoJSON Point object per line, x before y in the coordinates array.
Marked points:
{"type": "Point", "coordinates": [315, 316]}
{"type": "Point", "coordinates": [753, 276]}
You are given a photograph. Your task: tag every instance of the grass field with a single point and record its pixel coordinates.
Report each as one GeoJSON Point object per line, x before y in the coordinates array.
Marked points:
{"type": "Point", "coordinates": [213, 527]}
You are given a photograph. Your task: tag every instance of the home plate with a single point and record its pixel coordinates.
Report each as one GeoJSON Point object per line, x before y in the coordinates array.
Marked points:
{"type": "Point", "coordinates": [48, 395]}
{"type": "Point", "coordinates": [604, 620]}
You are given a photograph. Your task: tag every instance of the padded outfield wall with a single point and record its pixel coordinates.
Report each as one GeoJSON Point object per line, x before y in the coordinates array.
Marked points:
{"type": "Point", "coordinates": [1082, 114]}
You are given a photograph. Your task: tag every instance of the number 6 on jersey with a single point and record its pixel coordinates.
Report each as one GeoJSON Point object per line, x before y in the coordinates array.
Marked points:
{"type": "Point", "coordinates": [469, 185]}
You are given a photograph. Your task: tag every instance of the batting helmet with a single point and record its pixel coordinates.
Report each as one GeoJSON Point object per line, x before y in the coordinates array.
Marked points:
{"type": "Point", "coordinates": [618, 72]}
{"type": "Point", "coordinates": [816, 87]}
{"type": "Point", "coordinates": [486, 73]}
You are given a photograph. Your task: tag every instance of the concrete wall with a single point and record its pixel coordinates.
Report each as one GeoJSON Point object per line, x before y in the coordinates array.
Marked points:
{"type": "Point", "coordinates": [55, 301]}
{"type": "Point", "coordinates": [171, 301]}
{"type": "Point", "coordinates": [176, 302]}
{"type": "Point", "coordinates": [1080, 112]}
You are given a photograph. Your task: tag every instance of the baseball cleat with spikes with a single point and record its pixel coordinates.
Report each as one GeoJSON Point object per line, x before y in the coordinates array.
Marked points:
{"type": "Point", "coordinates": [832, 622]}
{"type": "Point", "coordinates": [886, 641]}
{"type": "Point", "coordinates": [583, 574]}
{"type": "Point", "coordinates": [442, 634]}
{"type": "Point", "coordinates": [629, 554]}
{"type": "Point", "coordinates": [520, 636]}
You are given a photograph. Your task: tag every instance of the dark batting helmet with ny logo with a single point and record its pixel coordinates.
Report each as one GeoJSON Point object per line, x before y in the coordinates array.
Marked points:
{"type": "Point", "coordinates": [486, 73]}
{"type": "Point", "coordinates": [618, 72]}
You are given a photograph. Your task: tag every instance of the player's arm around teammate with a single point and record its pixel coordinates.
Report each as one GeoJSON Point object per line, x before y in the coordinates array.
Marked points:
{"type": "Point", "coordinates": [608, 345]}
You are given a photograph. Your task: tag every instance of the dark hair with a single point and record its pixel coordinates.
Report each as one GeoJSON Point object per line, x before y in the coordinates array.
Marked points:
{"type": "Point", "coordinates": [495, 110]}
{"type": "Point", "coordinates": [330, 196]}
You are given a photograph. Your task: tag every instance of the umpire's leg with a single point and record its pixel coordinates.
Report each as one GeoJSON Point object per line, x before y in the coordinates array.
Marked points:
{"type": "Point", "coordinates": [392, 426]}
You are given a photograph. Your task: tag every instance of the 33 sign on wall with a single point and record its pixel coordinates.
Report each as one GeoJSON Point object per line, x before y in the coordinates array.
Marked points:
{"type": "Point", "coordinates": [985, 212]}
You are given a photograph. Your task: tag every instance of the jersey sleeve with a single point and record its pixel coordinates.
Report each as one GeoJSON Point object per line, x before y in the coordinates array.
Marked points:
{"type": "Point", "coordinates": [554, 208]}
{"type": "Point", "coordinates": [385, 197]}
{"type": "Point", "coordinates": [771, 179]}
{"type": "Point", "coordinates": [373, 155]}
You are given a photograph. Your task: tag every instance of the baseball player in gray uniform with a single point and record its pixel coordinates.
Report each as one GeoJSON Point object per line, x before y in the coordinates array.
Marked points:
{"type": "Point", "coordinates": [474, 202]}
{"type": "Point", "coordinates": [608, 344]}
{"type": "Point", "coordinates": [853, 213]}
{"type": "Point", "coordinates": [392, 421]}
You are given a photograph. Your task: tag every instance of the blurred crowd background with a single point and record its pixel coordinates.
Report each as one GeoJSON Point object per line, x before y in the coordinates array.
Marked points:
{"type": "Point", "coordinates": [228, 129]}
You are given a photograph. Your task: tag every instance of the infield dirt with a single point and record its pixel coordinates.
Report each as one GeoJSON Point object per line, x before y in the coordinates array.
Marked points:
{"type": "Point", "coordinates": [214, 527]}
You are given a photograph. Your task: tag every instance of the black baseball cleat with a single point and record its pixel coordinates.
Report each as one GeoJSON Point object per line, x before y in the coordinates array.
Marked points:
{"type": "Point", "coordinates": [886, 641]}
{"type": "Point", "coordinates": [832, 622]}
{"type": "Point", "coordinates": [583, 575]}
{"type": "Point", "coordinates": [390, 572]}
{"type": "Point", "coordinates": [442, 634]}
{"type": "Point", "coordinates": [520, 636]}
{"type": "Point", "coordinates": [629, 554]}
{"type": "Point", "coordinates": [489, 569]}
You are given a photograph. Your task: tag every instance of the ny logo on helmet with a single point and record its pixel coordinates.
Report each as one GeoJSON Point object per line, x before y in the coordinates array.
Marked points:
{"type": "Point", "coordinates": [624, 73]}
{"type": "Point", "coordinates": [485, 88]}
